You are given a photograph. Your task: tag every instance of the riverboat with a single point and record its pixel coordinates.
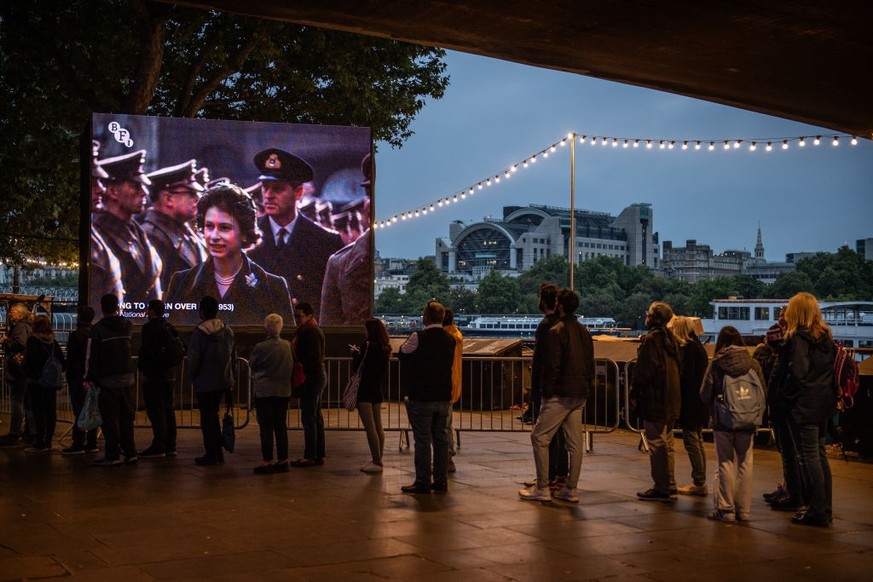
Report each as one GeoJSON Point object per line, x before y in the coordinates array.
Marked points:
{"type": "Point", "coordinates": [851, 322]}
{"type": "Point", "coordinates": [525, 326]}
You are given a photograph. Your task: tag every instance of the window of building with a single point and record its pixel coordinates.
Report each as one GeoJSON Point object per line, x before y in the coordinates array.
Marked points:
{"type": "Point", "coordinates": [762, 314]}
{"type": "Point", "coordinates": [734, 313]}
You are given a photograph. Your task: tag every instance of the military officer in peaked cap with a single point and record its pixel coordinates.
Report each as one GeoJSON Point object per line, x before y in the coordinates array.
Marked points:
{"type": "Point", "coordinates": [293, 246]}
{"type": "Point", "coordinates": [126, 188]}
{"type": "Point", "coordinates": [175, 191]}
{"type": "Point", "coordinates": [104, 274]}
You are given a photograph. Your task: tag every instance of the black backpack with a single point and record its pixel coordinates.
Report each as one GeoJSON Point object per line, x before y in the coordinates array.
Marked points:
{"type": "Point", "coordinates": [173, 351]}
{"type": "Point", "coordinates": [52, 373]}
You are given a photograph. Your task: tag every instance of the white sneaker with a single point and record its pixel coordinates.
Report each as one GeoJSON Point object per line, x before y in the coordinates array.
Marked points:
{"type": "Point", "coordinates": [566, 494]}
{"type": "Point", "coordinates": [371, 468]}
{"type": "Point", "coordinates": [534, 493]}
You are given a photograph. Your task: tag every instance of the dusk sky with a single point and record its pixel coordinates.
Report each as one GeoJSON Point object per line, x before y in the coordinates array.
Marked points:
{"type": "Point", "coordinates": [497, 113]}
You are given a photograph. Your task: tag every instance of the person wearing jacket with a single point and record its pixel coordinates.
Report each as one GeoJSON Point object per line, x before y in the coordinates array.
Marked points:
{"type": "Point", "coordinates": [808, 389]}
{"type": "Point", "coordinates": [656, 397]}
{"type": "Point", "coordinates": [77, 344]}
{"type": "Point", "coordinates": [733, 448]}
{"type": "Point", "coordinates": [158, 382]}
{"type": "Point", "coordinates": [110, 366]}
{"type": "Point", "coordinates": [212, 364]}
{"type": "Point", "coordinates": [15, 346]}
{"type": "Point", "coordinates": [371, 359]}
{"type": "Point", "coordinates": [44, 399]}
{"type": "Point", "coordinates": [567, 378]}
{"type": "Point", "coordinates": [693, 413]}
{"type": "Point", "coordinates": [457, 375]}
{"type": "Point", "coordinates": [271, 363]}
{"type": "Point", "coordinates": [308, 346]}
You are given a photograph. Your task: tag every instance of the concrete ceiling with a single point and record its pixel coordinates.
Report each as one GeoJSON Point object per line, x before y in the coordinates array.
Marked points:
{"type": "Point", "coordinates": [806, 60]}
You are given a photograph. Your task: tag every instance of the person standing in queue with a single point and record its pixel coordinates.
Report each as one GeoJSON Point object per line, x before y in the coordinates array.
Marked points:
{"type": "Point", "coordinates": [212, 363]}
{"type": "Point", "coordinates": [77, 344]}
{"type": "Point", "coordinates": [426, 360]}
{"type": "Point", "coordinates": [159, 381]}
{"type": "Point", "coordinates": [309, 351]}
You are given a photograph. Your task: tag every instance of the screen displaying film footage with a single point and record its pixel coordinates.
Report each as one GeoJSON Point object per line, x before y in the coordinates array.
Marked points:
{"type": "Point", "coordinates": [261, 216]}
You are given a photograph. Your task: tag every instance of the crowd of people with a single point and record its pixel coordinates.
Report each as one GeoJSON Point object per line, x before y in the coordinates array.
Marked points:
{"type": "Point", "coordinates": [674, 385]}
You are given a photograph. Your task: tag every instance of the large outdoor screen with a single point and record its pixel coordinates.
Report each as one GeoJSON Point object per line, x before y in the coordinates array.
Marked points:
{"type": "Point", "coordinates": [260, 216]}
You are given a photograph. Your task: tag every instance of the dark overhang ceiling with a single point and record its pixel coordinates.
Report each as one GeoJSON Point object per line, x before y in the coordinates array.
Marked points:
{"type": "Point", "coordinates": [806, 60]}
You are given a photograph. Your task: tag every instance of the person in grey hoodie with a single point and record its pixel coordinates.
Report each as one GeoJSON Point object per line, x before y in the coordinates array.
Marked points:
{"type": "Point", "coordinates": [271, 362]}
{"type": "Point", "coordinates": [733, 448]}
{"type": "Point", "coordinates": [212, 362]}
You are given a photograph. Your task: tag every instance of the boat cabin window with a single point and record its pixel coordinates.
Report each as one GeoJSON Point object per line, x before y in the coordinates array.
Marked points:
{"type": "Point", "coordinates": [734, 313]}
{"type": "Point", "coordinates": [762, 314]}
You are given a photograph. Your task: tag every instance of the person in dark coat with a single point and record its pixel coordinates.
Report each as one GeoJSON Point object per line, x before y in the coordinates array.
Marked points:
{"type": "Point", "coordinates": [246, 292]}
{"type": "Point", "coordinates": [14, 348]}
{"type": "Point", "coordinates": [693, 413]}
{"type": "Point", "coordinates": [77, 344]}
{"type": "Point", "coordinates": [293, 246]}
{"type": "Point", "coordinates": [308, 345]}
{"type": "Point", "coordinates": [158, 381]}
{"type": "Point", "coordinates": [44, 399]}
{"type": "Point", "coordinates": [808, 390]}
{"type": "Point", "coordinates": [370, 358]}
{"type": "Point", "coordinates": [656, 398]}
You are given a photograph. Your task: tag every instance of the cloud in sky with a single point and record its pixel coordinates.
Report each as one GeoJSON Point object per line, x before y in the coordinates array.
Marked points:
{"type": "Point", "coordinates": [497, 113]}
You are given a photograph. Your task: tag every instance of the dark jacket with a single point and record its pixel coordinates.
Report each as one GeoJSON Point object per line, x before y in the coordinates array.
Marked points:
{"type": "Point", "coordinates": [177, 244]}
{"type": "Point", "coordinates": [309, 351]}
{"type": "Point", "coordinates": [110, 362]}
{"type": "Point", "coordinates": [38, 351]}
{"type": "Point", "coordinates": [212, 357]}
{"type": "Point", "coordinates": [808, 378]}
{"type": "Point", "coordinates": [253, 295]}
{"type": "Point", "coordinates": [302, 261]}
{"type": "Point", "coordinates": [373, 373]}
{"type": "Point", "coordinates": [14, 347]}
{"type": "Point", "coordinates": [694, 360]}
{"type": "Point", "coordinates": [427, 371]}
{"type": "Point", "coordinates": [539, 355]}
{"type": "Point", "coordinates": [138, 261]}
{"type": "Point", "coordinates": [154, 338]}
{"type": "Point", "coordinates": [656, 377]}
{"type": "Point", "coordinates": [77, 348]}
{"type": "Point", "coordinates": [568, 370]}
{"type": "Point", "coordinates": [733, 361]}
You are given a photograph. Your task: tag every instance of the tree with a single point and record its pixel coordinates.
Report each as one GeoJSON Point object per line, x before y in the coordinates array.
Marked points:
{"type": "Point", "coordinates": [426, 283]}
{"type": "Point", "coordinates": [554, 269]}
{"type": "Point", "coordinates": [391, 302]}
{"type": "Point", "coordinates": [497, 294]}
{"type": "Point", "coordinates": [707, 290]}
{"type": "Point", "coordinates": [60, 61]}
{"type": "Point", "coordinates": [788, 284]}
{"type": "Point", "coordinates": [463, 300]}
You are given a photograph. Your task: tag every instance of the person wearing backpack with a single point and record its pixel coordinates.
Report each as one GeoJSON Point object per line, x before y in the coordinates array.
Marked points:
{"type": "Point", "coordinates": [734, 435]}
{"type": "Point", "coordinates": [44, 367]}
{"type": "Point", "coordinates": [808, 390]}
{"type": "Point", "coordinates": [158, 360]}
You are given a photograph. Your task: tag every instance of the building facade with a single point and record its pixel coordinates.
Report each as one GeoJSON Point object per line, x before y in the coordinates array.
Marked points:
{"type": "Point", "coordinates": [526, 235]}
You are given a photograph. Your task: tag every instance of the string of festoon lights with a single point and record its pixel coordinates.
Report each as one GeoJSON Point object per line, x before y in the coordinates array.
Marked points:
{"type": "Point", "coordinates": [763, 145]}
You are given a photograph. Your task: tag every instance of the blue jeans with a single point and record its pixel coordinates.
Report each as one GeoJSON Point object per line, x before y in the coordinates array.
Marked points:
{"type": "Point", "coordinates": [311, 417]}
{"type": "Point", "coordinates": [815, 471]}
{"type": "Point", "coordinates": [428, 420]}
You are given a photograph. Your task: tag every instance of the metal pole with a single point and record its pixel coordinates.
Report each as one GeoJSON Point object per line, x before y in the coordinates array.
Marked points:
{"type": "Point", "coordinates": [572, 207]}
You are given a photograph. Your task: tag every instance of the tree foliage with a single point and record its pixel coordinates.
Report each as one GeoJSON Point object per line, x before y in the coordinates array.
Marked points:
{"type": "Point", "coordinates": [497, 294]}
{"type": "Point", "coordinates": [60, 61]}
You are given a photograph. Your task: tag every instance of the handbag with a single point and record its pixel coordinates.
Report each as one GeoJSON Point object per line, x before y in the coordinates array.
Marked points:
{"type": "Point", "coordinates": [89, 418]}
{"type": "Point", "coordinates": [350, 394]}
{"type": "Point", "coordinates": [228, 432]}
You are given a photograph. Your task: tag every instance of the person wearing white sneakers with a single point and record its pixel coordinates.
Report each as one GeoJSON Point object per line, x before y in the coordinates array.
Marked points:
{"type": "Point", "coordinates": [568, 375]}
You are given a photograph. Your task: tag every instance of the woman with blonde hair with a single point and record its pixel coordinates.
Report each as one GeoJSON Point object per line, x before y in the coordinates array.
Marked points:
{"type": "Point", "coordinates": [807, 385]}
{"type": "Point", "coordinates": [693, 413]}
{"type": "Point", "coordinates": [271, 363]}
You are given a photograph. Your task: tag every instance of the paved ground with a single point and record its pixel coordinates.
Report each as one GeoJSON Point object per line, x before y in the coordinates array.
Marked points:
{"type": "Point", "coordinates": [169, 519]}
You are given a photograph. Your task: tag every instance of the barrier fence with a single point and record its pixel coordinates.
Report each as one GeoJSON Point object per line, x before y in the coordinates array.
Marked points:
{"type": "Point", "coordinates": [495, 395]}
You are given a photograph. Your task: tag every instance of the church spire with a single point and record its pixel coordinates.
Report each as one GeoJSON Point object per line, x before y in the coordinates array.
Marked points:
{"type": "Point", "coordinates": [759, 246]}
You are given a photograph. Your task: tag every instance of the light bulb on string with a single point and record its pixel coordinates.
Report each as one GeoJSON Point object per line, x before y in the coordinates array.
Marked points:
{"type": "Point", "coordinates": [684, 145]}
{"type": "Point", "coordinates": [614, 142]}
{"type": "Point", "coordinates": [648, 144]}
{"type": "Point", "coordinates": [727, 145]}
{"type": "Point", "coordinates": [624, 144]}
{"type": "Point", "coordinates": [671, 145]}
{"type": "Point", "coordinates": [769, 146]}
{"type": "Point", "coordinates": [636, 143]}
{"type": "Point", "coordinates": [737, 143]}
{"type": "Point", "coordinates": [753, 147]}
{"type": "Point", "coordinates": [817, 140]}
{"type": "Point", "coordinates": [697, 145]}
{"type": "Point", "coordinates": [514, 168]}
{"type": "Point", "coordinates": [802, 142]}
{"type": "Point", "coordinates": [661, 144]}
{"type": "Point", "coordinates": [784, 144]}
{"type": "Point", "coordinates": [836, 141]}
{"type": "Point", "coordinates": [604, 141]}
{"type": "Point", "coordinates": [552, 149]}
{"type": "Point", "coordinates": [854, 140]}
{"type": "Point", "coordinates": [711, 145]}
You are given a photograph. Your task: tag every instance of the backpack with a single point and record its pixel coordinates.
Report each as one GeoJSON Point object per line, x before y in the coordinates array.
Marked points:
{"type": "Point", "coordinates": [740, 406]}
{"type": "Point", "coordinates": [846, 381]}
{"type": "Point", "coordinates": [171, 354]}
{"type": "Point", "coordinates": [52, 373]}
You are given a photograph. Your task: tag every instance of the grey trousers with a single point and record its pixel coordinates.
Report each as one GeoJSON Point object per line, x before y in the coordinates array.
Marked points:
{"type": "Point", "coordinates": [692, 438]}
{"type": "Point", "coordinates": [660, 437]}
{"type": "Point", "coordinates": [734, 453]}
{"type": "Point", "coordinates": [371, 418]}
{"type": "Point", "coordinates": [556, 413]}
